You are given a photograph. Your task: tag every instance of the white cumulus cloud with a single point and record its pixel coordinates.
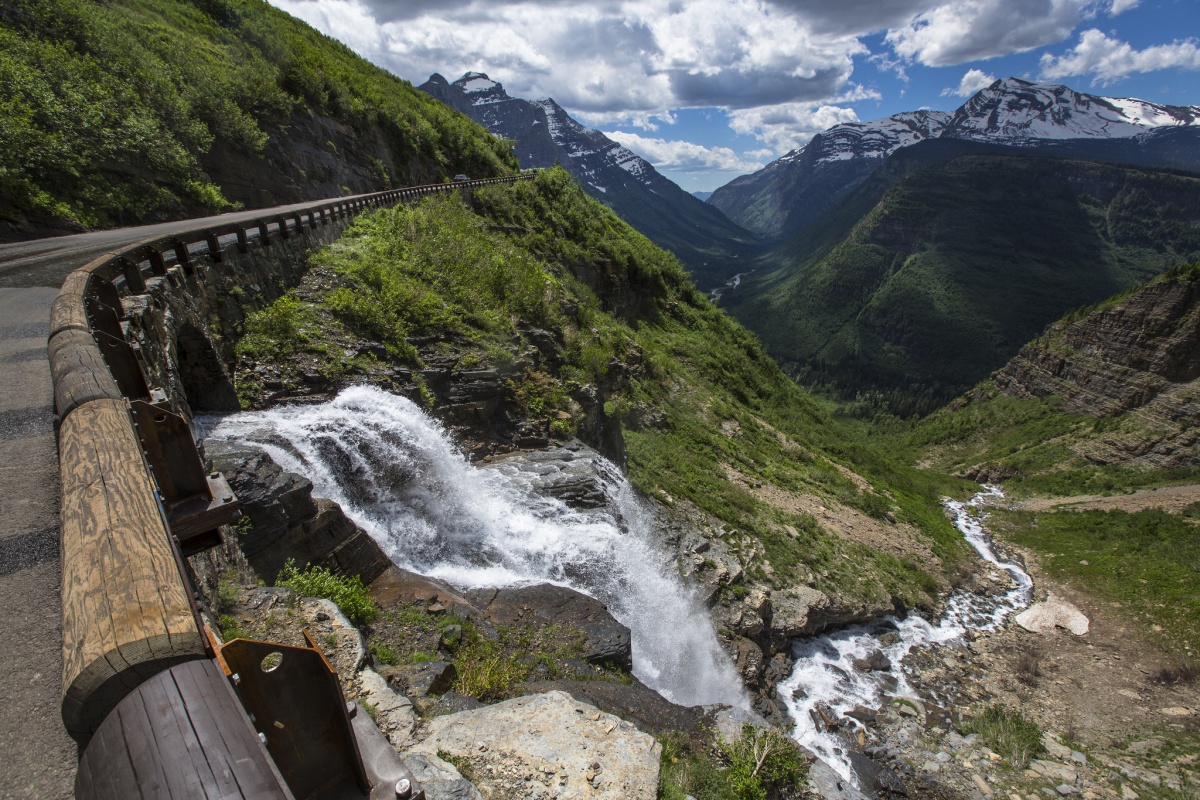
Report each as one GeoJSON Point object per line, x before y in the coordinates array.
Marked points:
{"type": "Point", "coordinates": [1121, 6]}
{"type": "Point", "coordinates": [972, 82]}
{"type": "Point", "coordinates": [684, 156]}
{"type": "Point", "coordinates": [789, 125]}
{"type": "Point", "coordinates": [1108, 60]}
{"type": "Point", "coordinates": [967, 30]}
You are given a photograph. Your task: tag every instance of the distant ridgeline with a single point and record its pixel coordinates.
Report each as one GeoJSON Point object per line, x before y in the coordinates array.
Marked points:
{"type": "Point", "coordinates": [920, 252]}
{"type": "Point", "coordinates": [120, 112]}
{"type": "Point", "coordinates": [1107, 398]}
{"type": "Point", "coordinates": [700, 235]}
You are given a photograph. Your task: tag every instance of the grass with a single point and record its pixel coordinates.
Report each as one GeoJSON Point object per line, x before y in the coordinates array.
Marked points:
{"type": "Point", "coordinates": [490, 663]}
{"type": "Point", "coordinates": [760, 765]}
{"type": "Point", "coordinates": [1148, 562]}
{"type": "Point", "coordinates": [1008, 733]}
{"type": "Point", "coordinates": [348, 593]}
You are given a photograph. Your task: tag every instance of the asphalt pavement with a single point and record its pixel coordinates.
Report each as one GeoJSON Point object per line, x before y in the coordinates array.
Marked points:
{"type": "Point", "coordinates": [37, 758]}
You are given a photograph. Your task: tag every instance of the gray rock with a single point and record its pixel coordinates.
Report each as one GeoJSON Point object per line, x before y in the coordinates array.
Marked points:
{"type": "Point", "coordinates": [828, 785]}
{"type": "Point", "coordinates": [440, 779]}
{"type": "Point", "coordinates": [875, 662]}
{"type": "Point", "coordinates": [287, 522]}
{"type": "Point", "coordinates": [549, 746]}
{"type": "Point", "coordinates": [607, 641]}
{"type": "Point", "coordinates": [393, 712]}
{"type": "Point", "coordinates": [877, 778]}
{"type": "Point", "coordinates": [421, 680]}
{"type": "Point", "coordinates": [1066, 790]}
{"type": "Point", "coordinates": [573, 472]}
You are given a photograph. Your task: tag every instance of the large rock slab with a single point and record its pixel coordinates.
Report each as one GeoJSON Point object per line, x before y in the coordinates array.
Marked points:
{"type": "Point", "coordinates": [548, 746]}
{"type": "Point", "coordinates": [574, 472]}
{"type": "Point", "coordinates": [286, 521]}
{"type": "Point", "coordinates": [607, 641]}
{"type": "Point", "coordinates": [1051, 613]}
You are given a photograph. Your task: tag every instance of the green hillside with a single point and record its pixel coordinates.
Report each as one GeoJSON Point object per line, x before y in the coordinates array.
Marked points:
{"type": "Point", "coordinates": [1105, 400]}
{"type": "Point", "coordinates": [697, 398]}
{"type": "Point", "coordinates": [119, 112]}
{"type": "Point", "coordinates": [917, 287]}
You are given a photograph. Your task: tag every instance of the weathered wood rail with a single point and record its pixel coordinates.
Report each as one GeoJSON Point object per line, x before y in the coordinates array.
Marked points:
{"type": "Point", "coordinates": [135, 497]}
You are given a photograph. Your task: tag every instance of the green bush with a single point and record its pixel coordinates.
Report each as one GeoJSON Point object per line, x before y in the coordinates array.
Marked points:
{"type": "Point", "coordinates": [1009, 733]}
{"type": "Point", "coordinates": [760, 765]}
{"type": "Point", "coordinates": [348, 593]}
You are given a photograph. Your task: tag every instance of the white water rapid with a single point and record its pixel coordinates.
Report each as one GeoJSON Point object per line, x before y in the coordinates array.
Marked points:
{"type": "Point", "coordinates": [825, 675]}
{"type": "Point", "coordinates": [396, 473]}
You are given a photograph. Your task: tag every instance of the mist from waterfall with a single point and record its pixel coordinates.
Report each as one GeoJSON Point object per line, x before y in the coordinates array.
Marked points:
{"type": "Point", "coordinates": [398, 475]}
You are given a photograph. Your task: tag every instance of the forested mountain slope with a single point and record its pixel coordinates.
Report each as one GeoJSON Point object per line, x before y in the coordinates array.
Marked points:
{"type": "Point", "coordinates": [930, 276]}
{"type": "Point", "coordinates": [129, 111]}
{"type": "Point", "coordinates": [1106, 398]}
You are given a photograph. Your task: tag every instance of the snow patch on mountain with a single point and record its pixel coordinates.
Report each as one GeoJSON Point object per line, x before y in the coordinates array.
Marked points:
{"type": "Point", "coordinates": [474, 82]}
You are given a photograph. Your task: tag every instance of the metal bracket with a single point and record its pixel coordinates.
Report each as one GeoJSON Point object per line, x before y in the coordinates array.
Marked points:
{"type": "Point", "coordinates": [197, 503]}
{"type": "Point", "coordinates": [293, 696]}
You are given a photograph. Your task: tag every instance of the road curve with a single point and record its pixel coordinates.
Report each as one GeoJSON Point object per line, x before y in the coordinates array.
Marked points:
{"type": "Point", "coordinates": [46, 262]}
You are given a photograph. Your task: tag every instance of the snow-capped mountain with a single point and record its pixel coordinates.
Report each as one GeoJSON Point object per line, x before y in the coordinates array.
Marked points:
{"type": "Point", "coordinates": [1049, 119]}
{"type": "Point", "coordinates": [545, 134]}
{"type": "Point", "coordinates": [876, 139]}
{"type": "Point", "coordinates": [1013, 110]}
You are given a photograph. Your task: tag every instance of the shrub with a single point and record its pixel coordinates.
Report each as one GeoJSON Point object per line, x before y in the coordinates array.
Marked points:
{"type": "Point", "coordinates": [1009, 733]}
{"type": "Point", "coordinates": [347, 592]}
{"type": "Point", "coordinates": [761, 765]}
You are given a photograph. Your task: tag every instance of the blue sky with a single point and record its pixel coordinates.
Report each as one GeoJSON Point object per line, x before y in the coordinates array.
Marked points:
{"type": "Point", "coordinates": [710, 89]}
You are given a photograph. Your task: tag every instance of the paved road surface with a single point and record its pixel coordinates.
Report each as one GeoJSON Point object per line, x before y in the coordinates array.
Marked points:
{"type": "Point", "coordinates": [37, 758]}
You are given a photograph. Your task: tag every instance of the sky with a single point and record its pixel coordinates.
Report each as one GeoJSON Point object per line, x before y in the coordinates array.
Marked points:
{"type": "Point", "coordinates": [707, 90]}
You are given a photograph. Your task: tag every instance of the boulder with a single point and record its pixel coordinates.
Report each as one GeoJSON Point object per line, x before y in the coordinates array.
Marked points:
{"type": "Point", "coordinates": [607, 641]}
{"type": "Point", "coordinates": [634, 702]}
{"type": "Point", "coordinates": [1051, 613]}
{"type": "Point", "coordinates": [421, 680]}
{"type": "Point", "coordinates": [548, 746]}
{"type": "Point", "coordinates": [440, 779]}
{"type": "Point", "coordinates": [392, 712]}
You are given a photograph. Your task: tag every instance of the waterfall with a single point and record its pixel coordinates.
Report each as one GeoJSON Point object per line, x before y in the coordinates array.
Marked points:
{"type": "Point", "coordinates": [398, 475]}
{"type": "Point", "coordinates": [824, 673]}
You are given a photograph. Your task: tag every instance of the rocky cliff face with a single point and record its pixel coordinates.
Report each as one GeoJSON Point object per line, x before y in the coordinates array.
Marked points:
{"type": "Point", "coordinates": [1136, 360]}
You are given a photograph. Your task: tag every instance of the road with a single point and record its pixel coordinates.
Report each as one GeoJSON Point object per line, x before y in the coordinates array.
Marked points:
{"type": "Point", "coordinates": [37, 758]}
{"type": "Point", "coordinates": [46, 262]}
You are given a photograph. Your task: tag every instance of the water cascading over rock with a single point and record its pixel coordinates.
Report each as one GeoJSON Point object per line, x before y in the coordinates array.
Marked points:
{"type": "Point", "coordinates": [396, 473]}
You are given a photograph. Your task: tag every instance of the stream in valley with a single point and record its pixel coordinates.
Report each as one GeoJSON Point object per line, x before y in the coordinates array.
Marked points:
{"type": "Point", "coordinates": [825, 675]}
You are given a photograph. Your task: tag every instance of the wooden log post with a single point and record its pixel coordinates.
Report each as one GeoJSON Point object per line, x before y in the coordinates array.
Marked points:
{"type": "Point", "coordinates": [126, 612]}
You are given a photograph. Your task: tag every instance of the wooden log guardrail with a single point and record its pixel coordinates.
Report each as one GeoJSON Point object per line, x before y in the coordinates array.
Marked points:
{"type": "Point", "coordinates": [133, 504]}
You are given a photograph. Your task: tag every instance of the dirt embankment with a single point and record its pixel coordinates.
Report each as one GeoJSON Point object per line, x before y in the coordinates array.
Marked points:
{"type": "Point", "coordinates": [1172, 499]}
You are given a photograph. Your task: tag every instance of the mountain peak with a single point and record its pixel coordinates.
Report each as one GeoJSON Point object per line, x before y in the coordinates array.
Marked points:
{"type": "Point", "coordinates": [480, 89]}
{"type": "Point", "coordinates": [1017, 110]}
